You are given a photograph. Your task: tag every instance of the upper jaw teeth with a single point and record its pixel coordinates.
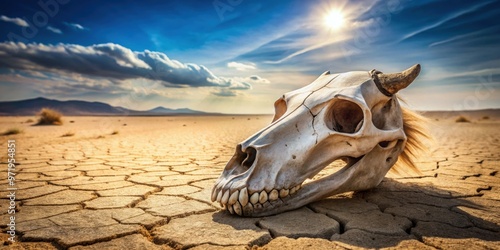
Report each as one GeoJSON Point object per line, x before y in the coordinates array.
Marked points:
{"type": "Point", "coordinates": [242, 202]}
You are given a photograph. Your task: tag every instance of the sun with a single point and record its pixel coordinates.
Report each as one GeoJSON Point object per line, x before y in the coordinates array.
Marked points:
{"type": "Point", "coordinates": [334, 19]}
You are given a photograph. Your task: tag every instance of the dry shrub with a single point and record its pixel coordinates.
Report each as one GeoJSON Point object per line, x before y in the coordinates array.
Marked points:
{"type": "Point", "coordinates": [49, 117]}
{"type": "Point", "coordinates": [115, 132]}
{"type": "Point", "coordinates": [12, 131]}
{"type": "Point", "coordinates": [68, 134]}
{"type": "Point", "coordinates": [486, 117]}
{"type": "Point", "coordinates": [29, 120]}
{"type": "Point", "coordinates": [462, 119]}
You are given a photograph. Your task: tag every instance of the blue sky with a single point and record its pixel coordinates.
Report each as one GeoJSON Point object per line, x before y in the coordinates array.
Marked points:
{"type": "Point", "coordinates": [238, 56]}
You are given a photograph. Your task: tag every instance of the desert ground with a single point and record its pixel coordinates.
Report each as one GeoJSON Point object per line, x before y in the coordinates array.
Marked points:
{"type": "Point", "coordinates": [145, 183]}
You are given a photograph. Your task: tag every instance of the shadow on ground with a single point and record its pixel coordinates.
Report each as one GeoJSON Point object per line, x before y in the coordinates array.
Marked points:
{"type": "Point", "coordinates": [386, 216]}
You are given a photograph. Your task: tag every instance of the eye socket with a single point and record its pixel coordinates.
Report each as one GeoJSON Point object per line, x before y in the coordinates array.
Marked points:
{"type": "Point", "coordinates": [344, 116]}
{"type": "Point", "coordinates": [279, 109]}
{"type": "Point", "coordinates": [379, 113]}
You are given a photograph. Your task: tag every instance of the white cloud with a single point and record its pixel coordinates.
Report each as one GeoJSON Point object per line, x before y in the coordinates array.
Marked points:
{"type": "Point", "coordinates": [225, 93]}
{"type": "Point", "coordinates": [241, 66]}
{"type": "Point", "coordinates": [256, 79]}
{"type": "Point", "coordinates": [444, 20]}
{"type": "Point", "coordinates": [363, 23]}
{"type": "Point", "coordinates": [15, 20]}
{"type": "Point", "coordinates": [439, 74]}
{"type": "Point", "coordinates": [63, 84]}
{"type": "Point", "coordinates": [463, 37]}
{"type": "Point", "coordinates": [112, 62]}
{"type": "Point", "coordinates": [75, 26]}
{"type": "Point", "coordinates": [55, 30]}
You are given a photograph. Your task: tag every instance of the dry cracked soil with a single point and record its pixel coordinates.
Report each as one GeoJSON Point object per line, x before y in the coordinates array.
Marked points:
{"type": "Point", "coordinates": [145, 183]}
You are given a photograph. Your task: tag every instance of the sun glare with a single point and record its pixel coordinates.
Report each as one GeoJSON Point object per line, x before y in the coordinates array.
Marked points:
{"type": "Point", "coordinates": [334, 19]}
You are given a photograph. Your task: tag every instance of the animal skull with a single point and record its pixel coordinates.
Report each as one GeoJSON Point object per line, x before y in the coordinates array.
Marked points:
{"type": "Point", "coordinates": [353, 116]}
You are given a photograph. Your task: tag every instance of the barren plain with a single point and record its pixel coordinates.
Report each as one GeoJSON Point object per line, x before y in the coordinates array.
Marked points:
{"type": "Point", "coordinates": [145, 183]}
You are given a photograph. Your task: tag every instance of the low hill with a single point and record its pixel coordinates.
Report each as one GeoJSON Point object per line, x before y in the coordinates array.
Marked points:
{"type": "Point", "coordinates": [80, 108]}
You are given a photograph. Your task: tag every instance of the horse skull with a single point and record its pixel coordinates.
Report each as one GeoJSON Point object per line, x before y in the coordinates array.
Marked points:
{"type": "Point", "coordinates": [352, 116]}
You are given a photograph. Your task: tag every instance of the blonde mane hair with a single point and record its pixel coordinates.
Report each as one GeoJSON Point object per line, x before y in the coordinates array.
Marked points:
{"type": "Point", "coordinates": [414, 126]}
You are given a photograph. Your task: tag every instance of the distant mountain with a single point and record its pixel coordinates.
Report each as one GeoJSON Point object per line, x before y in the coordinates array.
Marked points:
{"type": "Point", "coordinates": [78, 108]}
{"type": "Point", "coordinates": [163, 110]}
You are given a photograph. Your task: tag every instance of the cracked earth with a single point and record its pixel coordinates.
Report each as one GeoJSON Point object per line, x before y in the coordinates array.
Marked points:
{"type": "Point", "coordinates": [145, 183]}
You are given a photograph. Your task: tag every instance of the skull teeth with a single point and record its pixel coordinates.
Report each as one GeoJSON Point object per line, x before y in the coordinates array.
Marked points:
{"type": "Point", "coordinates": [295, 189]}
{"type": "Point", "coordinates": [233, 198]}
{"type": "Point", "coordinates": [243, 197]}
{"type": "Point", "coordinates": [241, 202]}
{"type": "Point", "coordinates": [263, 197]}
{"type": "Point", "coordinates": [237, 208]}
{"type": "Point", "coordinates": [284, 193]}
{"type": "Point", "coordinates": [219, 196]}
{"type": "Point", "coordinates": [254, 198]}
{"type": "Point", "coordinates": [225, 197]}
{"type": "Point", "coordinates": [273, 195]}
{"type": "Point", "coordinates": [214, 194]}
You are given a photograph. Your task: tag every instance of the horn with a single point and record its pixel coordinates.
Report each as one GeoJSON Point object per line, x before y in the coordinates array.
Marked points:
{"type": "Point", "coordinates": [390, 84]}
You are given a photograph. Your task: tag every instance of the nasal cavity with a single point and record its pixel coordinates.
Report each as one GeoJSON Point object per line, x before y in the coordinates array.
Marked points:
{"type": "Point", "coordinates": [249, 154]}
{"type": "Point", "coordinates": [388, 144]}
{"type": "Point", "coordinates": [384, 144]}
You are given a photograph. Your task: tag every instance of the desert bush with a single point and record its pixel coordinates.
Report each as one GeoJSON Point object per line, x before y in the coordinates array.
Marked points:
{"type": "Point", "coordinates": [68, 134]}
{"type": "Point", "coordinates": [462, 119]}
{"type": "Point", "coordinates": [115, 132]}
{"type": "Point", "coordinates": [49, 117]}
{"type": "Point", "coordinates": [486, 117]}
{"type": "Point", "coordinates": [12, 131]}
{"type": "Point", "coordinates": [29, 120]}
